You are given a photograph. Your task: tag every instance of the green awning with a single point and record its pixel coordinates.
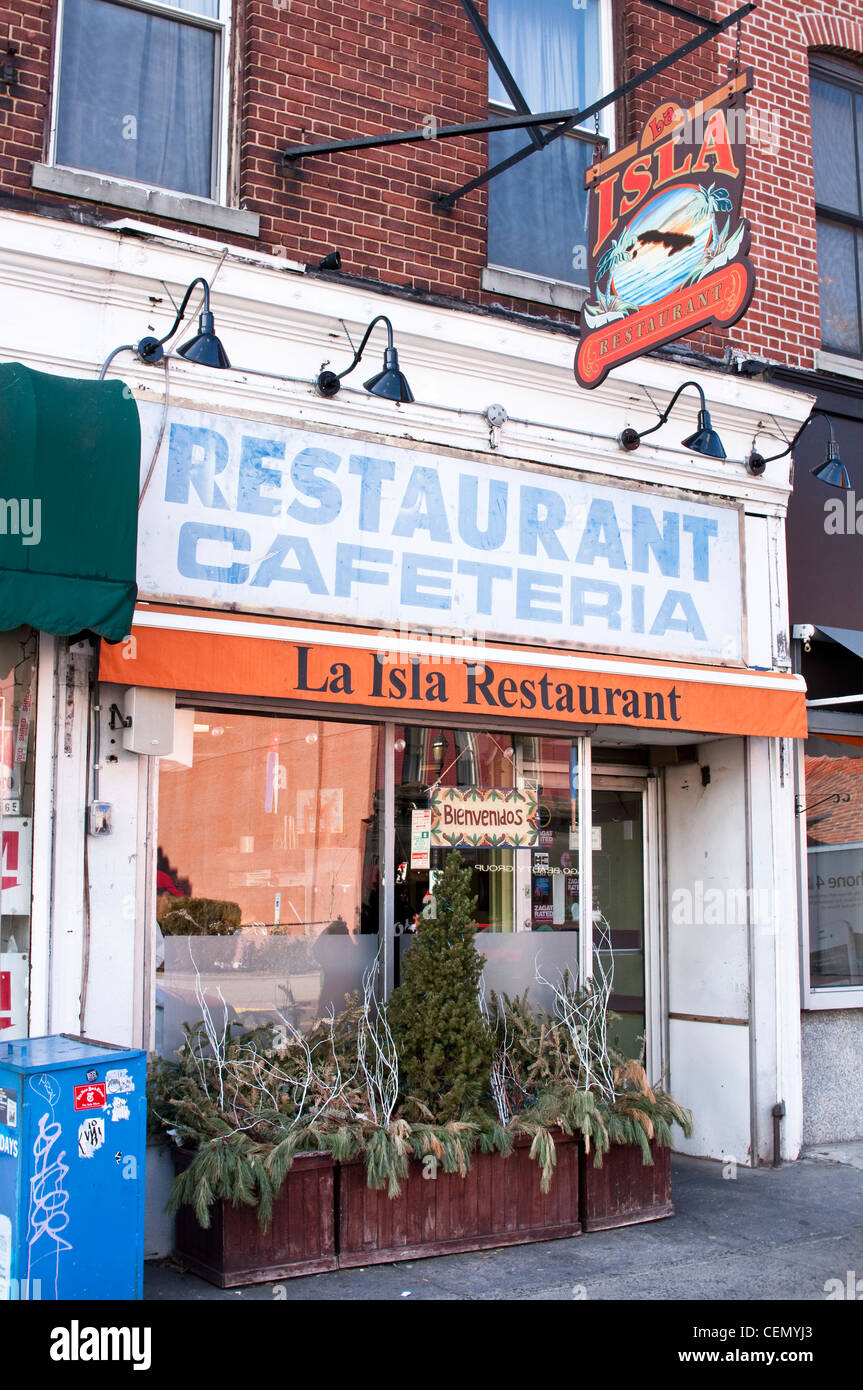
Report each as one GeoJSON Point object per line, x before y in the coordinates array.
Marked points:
{"type": "Point", "coordinates": [69, 467]}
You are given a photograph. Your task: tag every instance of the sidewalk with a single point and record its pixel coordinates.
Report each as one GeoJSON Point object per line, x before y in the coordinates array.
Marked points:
{"type": "Point", "coordinates": [766, 1234]}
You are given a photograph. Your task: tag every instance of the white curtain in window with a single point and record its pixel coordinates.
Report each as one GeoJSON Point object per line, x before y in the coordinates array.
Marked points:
{"type": "Point", "coordinates": [137, 96]}
{"type": "Point", "coordinates": [552, 49]}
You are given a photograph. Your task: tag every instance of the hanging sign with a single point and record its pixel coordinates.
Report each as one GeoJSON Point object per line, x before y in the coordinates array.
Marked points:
{"type": "Point", "coordinates": [668, 248]}
{"type": "Point", "coordinates": [483, 817]}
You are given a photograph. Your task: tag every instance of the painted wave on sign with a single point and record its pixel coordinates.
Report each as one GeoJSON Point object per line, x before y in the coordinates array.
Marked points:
{"type": "Point", "coordinates": [663, 245]}
{"type": "Point", "coordinates": [675, 240]}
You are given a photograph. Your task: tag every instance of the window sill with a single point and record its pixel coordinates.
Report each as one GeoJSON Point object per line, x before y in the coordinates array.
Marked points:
{"type": "Point", "coordinates": [179, 207]}
{"type": "Point", "coordinates": [835, 362]}
{"type": "Point", "coordinates": [537, 288]}
{"type": "Point", "coordinates": [841, 997]}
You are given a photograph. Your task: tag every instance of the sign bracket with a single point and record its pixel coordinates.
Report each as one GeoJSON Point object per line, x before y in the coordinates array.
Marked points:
{"type": "Point", "coordinates": [524, 119]}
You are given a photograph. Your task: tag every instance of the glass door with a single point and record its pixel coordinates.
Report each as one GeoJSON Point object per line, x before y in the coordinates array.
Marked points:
{"type": "Point", "coordinates": [620, 896]}
{"type": "Point", "coordinates": [527, 885]}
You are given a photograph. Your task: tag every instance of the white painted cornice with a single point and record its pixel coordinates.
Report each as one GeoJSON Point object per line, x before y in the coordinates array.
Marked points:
{"type": "Point", "coordinates": [71, 294]}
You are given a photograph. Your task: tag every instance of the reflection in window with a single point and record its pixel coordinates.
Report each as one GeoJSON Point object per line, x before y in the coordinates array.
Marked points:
{"type": "Point", "coordinates": [836, 101]}
{"type": "Point", "coordinates": [268, 884]}
{"type": "Point", "coordinates": [834, 837]}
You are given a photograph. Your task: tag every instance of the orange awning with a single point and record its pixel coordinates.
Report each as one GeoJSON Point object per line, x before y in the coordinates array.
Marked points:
{"type": "Point", "coordinates": [202, 653]}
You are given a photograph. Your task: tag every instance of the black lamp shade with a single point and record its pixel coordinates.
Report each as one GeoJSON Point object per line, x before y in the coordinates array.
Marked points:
{"type": "Point", "coordinates": [205, 348]}
{"type": "Point", "coordinates": [705, 440]}
{"type": "Point", "coordinates": [832, 471]}
{"type": "Point", "coordinates": [390, 384]}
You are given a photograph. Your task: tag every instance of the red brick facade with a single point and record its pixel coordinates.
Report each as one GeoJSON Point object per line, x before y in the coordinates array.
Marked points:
{"type": "Point", "coordinates": [312, 70]}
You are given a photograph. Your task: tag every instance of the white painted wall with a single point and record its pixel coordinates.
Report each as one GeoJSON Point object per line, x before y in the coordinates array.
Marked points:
{"type": "Point", "coordinates": [708, 971]}
{"type": "Point", "coordinates": [730, 845]}
{"type": "Point", "coordinates": [68, 921]}
{"type": "Point", "coordinates": [114, 967]}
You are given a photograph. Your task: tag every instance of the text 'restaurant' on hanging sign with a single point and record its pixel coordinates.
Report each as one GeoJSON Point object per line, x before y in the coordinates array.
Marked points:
{"type": "Point", "coordinates": [483, 817]}
{"type": "Point", "coordinates": [261, 517]}
{"type": "Point", "coordinates": [668, 248]}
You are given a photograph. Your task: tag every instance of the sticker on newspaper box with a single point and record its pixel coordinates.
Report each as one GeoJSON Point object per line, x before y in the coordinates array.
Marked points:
{"type": "Point", "coordinates": [8, 1108]}
{"type": "Point", "coordinates": [91, 1136]}
{"type": "Point", "coordinates": [119, 1082]}
{"type": "Point", "coordinates": [91, 1097]}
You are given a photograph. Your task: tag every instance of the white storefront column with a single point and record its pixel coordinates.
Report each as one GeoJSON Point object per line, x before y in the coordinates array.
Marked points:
{"type": "Point", "coordinates": [708, 953]}
{"type": "Point", "coordinates": [118, 896]}
{"type": "Point", "coordinates": [774, 938]}
{"type": "Point", "coordinates": [68, 950]}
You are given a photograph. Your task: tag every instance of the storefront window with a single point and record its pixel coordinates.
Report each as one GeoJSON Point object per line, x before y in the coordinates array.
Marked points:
{"type": "Point", "coordinates": [834, 837]}
{"type": "Point", "coordinates": [268, 883]}
{"type": "Point", "coordinates": [272, 832]}
{"type": "Point", "coordinates": [17, 775]}
{"type": "Point", "coordinates": [526, 884]}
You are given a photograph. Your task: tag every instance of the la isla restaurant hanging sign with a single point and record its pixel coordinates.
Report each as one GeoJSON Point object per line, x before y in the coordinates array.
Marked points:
{"type": "Point", "coordinates": [668, 248]}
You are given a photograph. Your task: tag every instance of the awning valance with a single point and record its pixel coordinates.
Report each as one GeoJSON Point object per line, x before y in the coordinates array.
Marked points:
{"type": "Point", "coordinates": [265, 658]}
{"type": "Point", "coordinates": [69, 468]}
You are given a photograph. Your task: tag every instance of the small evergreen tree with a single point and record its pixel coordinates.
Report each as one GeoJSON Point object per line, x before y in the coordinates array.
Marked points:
{"type": "Point", "coordinates": [444, 1044]}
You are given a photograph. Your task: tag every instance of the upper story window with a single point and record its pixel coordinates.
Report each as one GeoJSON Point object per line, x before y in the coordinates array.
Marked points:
{"type": "Point", "coordinates": [142, 92]}
{"type": "Point", "coordinates": [559, 52]}
{"type": "Point", "coordinates": [836, 95]}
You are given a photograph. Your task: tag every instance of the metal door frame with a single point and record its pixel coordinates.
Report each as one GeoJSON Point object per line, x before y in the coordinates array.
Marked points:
{"type": "Point", "coordinates": [648, 784]}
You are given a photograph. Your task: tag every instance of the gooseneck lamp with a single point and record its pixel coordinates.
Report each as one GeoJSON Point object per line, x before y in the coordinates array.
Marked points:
{"type": "Point", "coordinates": [705, 440]}
{"type": "Point", "coordinates": [204, 348]}
{"type": "Point", "coordinates": [390, 384]}
{"type": "Point", "coordinates": [832, 471]}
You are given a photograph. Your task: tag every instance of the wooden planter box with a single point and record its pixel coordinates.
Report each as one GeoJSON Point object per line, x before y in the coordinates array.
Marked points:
{"type": "Point", "coordinates": [625, 1190]}
{"type": "Point", "coordinates": [498, 1203]}
{"type": "Point", "coordinates": [234, 1250]}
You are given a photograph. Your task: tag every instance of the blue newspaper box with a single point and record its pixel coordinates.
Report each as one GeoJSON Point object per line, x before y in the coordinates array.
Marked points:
{"type": "Point", "coordinates": [72, 1158]}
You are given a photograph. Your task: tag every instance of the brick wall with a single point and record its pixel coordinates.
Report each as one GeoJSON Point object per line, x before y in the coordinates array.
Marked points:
{"type": "Point", "coordinates": [313, 70]}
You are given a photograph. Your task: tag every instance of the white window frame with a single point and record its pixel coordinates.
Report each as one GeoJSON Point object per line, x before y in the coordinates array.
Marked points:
{"type": "Point", "coordinates": [848, 76]}
{"type": "Point", "coordinates": [823, 996]}
{"type": "Point", "coordinates": [540, 287]}
{"type": "Point", "coordinates": [221, 27]}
